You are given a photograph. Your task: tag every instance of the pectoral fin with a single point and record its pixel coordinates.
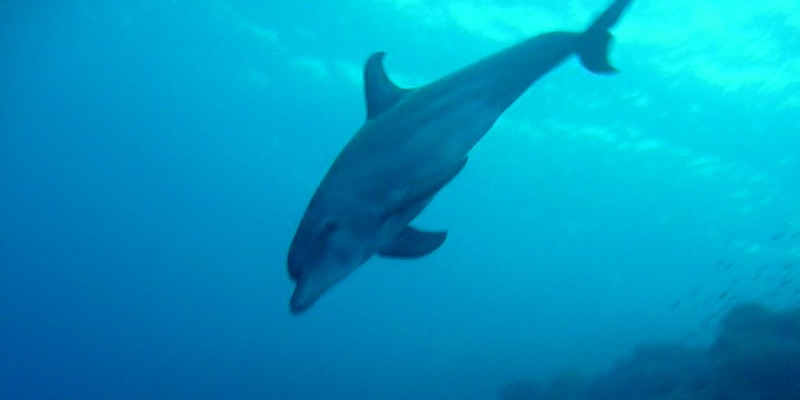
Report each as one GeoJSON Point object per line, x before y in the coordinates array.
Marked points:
{"type": "Point", "coordinates": [412, 243]}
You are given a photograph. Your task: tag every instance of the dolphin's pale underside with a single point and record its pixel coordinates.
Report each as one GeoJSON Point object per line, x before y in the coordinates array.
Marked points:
{"type": "Point", "coordinates": [413, 142]}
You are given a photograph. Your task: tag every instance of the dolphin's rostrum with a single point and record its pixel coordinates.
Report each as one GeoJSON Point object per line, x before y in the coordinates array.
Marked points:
{"type": "Point", "coordinates": [412, 144]}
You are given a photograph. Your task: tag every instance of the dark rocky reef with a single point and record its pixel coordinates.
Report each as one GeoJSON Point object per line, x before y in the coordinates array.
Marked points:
{"type": "Point", "coordinates": [755, 356]}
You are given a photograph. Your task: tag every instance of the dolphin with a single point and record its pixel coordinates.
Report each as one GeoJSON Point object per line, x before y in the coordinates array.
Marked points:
{"type": "Point", "coordinates": [413, 142]}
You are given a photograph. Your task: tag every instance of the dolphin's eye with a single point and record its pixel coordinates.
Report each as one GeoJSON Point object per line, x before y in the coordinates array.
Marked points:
{"type": "Point", "coordinates": [329, 226]}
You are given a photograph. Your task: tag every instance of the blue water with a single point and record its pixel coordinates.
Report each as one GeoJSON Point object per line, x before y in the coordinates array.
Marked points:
{"type": "Point", "coordinates": [156, 157]}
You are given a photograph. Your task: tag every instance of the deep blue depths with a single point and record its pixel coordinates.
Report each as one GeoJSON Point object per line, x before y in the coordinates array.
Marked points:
{"type": "Point", "coordinates": [155, 158]}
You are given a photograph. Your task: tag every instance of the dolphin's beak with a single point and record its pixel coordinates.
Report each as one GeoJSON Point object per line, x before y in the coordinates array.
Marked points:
{"type": "Point", "coordinates": [301, 301]}
{"type": "Point", "coordinates": [313, 283]}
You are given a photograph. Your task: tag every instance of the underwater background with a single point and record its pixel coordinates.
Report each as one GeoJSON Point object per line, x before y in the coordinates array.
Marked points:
{"type": "Point", "coordinates": [634, 236]}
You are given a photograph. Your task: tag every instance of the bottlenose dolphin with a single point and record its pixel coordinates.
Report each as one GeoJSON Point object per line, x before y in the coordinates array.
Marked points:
{"type": "Point", "coordinates": [413, 142]}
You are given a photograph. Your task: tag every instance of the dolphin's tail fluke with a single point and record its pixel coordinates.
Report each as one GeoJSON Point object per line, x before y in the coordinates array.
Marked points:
{"type": "Point", "coordinates": [593, 51]}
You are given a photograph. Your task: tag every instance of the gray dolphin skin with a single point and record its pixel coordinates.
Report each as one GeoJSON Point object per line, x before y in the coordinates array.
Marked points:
{"type": "Point", "coordinates": [413, 142]}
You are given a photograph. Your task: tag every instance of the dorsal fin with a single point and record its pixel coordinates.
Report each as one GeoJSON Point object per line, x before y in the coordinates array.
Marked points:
{"type": "Point", "coordinates": [381, 93]}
